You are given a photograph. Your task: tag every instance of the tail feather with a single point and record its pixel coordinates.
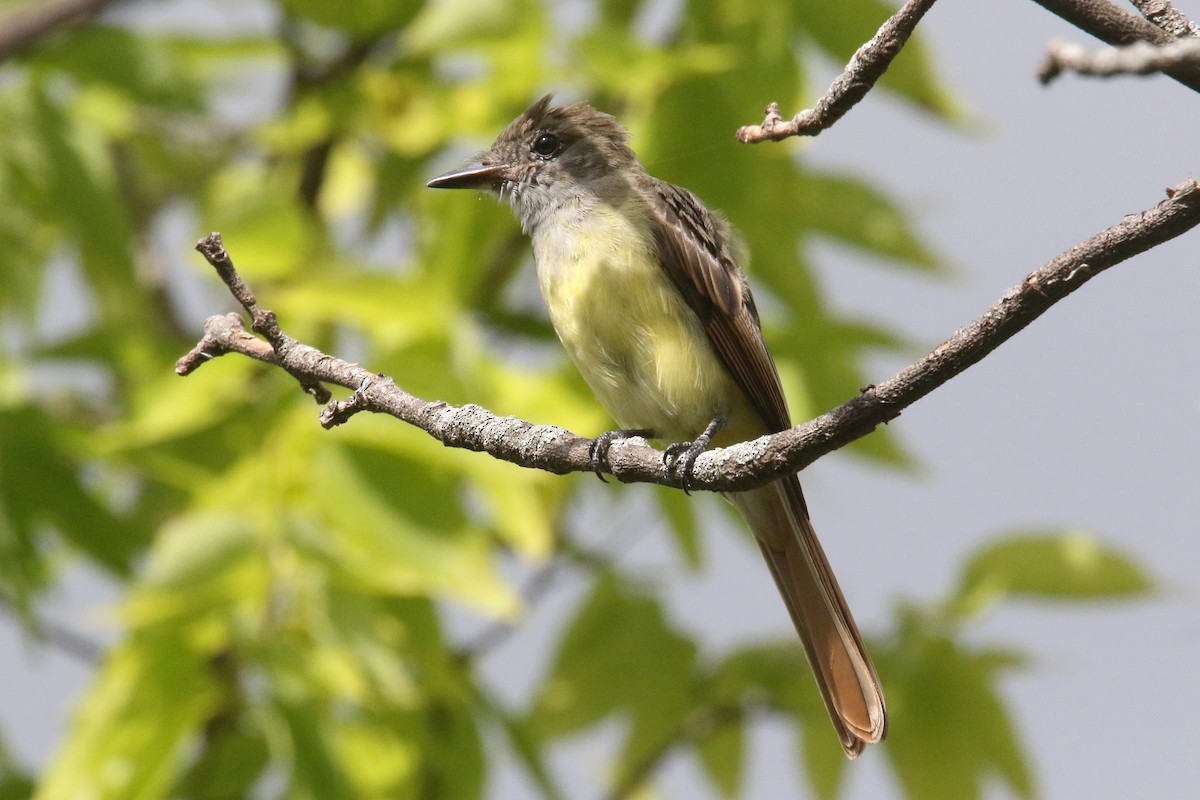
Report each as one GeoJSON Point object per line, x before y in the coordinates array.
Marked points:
{"type": "Point", "coordinates": [849, 685]}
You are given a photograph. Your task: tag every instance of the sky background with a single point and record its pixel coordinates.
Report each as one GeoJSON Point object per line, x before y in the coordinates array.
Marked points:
{"type": "Point", "coordinates": [1090, 418]}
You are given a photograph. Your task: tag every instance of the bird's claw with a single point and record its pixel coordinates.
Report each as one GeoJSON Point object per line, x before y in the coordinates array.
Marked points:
{"type": "Point", "coordinates": [598, 450]}
{"type": "Point", "coordinates": [679, 458]}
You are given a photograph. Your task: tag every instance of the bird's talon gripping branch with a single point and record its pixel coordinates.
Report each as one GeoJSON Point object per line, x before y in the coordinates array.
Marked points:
{"type": "Point", "coordinates": [680, 458]}
{"type": "Point", "coordinates": [598, 451]}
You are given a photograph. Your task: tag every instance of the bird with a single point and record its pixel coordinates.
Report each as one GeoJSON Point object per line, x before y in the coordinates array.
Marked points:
{"type": "Point", "coordinates": [643, 288]}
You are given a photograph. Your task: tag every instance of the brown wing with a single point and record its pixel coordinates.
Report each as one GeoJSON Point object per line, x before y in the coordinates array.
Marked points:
{"type": "Point", "coordinates": [695, 248]}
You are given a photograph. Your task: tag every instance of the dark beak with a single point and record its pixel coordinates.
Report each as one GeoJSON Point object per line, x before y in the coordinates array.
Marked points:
{"type": "Point", "coordinates": [472, 176]}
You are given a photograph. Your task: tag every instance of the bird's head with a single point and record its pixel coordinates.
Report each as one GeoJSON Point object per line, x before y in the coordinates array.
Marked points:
{"type": "Point", "coordinates": [550, 156]}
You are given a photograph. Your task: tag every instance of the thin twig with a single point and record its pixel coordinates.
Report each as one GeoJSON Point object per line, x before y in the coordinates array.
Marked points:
{"type": "Point", "coordinates": [1167, 17]}
{"type": "Point", "coordinates": [1139, 58]}
{"type": "Point", "coordinates": [865, 68]}
{"type": "Point", "coordinates": [748, 464]}
{"type": "Point", "coordinates": [262, 320]}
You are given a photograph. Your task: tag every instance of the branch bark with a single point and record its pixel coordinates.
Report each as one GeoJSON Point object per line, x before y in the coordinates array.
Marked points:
{"type": "Point", "coordinates": [742, 466]}
{"type": "Point", "coordinates": [1115, 26]}
{"type": "Point", "coordinates": [866, 67]}
{"type": "Point", "coordinates": [1167, 17]}
{"type": "Point", "coordinates": [1100, 18]}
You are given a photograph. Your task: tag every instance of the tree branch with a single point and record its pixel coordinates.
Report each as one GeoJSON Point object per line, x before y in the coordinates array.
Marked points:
{"type": "Point", "coordinates": [1100, 18]}
{"type": "Point", "coordinates": [735, 468]}
{"type": "Point", "coordinates": [1106, 21]}
{"type": "Point", "coordinates": [1139, 58]}
{"type": "Point", "coordinates": [25, 27]}
{"type": "Point", "coordinates": [1167, 17]}
{"type": "Point", "coordinates": [1115, 26]}
{"type": "Point", "coordinates": [866, 67]}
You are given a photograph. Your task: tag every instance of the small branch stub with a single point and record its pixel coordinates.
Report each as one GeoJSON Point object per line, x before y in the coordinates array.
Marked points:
{"type": "Point", "coordinates": [339, 412]}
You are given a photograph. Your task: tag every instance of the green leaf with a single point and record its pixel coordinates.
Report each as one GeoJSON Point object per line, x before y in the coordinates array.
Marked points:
{"type": "Point", "coordinates": [316, 771]}
{"type": "Point", "coordinates": [49, 489]}
{"type": "Point", "coordinates": [133, 64]}
{"type": "Point", "coordinates": [201, 564]}
{"type": "Point", "coordinates": [134, 724]}
{"type": "Point", "coordinates": [618, 656]}
{"type": "Point", "coordinates": [197, 549]}
{"type": "Point", "coordinates": [778, 677]}
{"type": "Point", "coordinates": [1049, 565]}
{"type": "Point", "coordinates": [270, 232]}
{"type": "Point", "coordinates": [453, 754]}
{"type": "Point", "coordinates": [15, 785]}
{"type": "Point", "coordinates": [949, 732]}
{"type": "Point", "coordinates": [232, 761]}
{"type": "Point", "coordinates": [721, 754]}
{"type": "Point", "coordinates": [391, 531]}
{"type": "Point", "coordinates": [853, 212]}
{"type": "Point", "coordinates": [167, 409]}
{"type": "Point", "coordinates": [825, 763]}
{"type": "Point", "coordinates": [77, 188]}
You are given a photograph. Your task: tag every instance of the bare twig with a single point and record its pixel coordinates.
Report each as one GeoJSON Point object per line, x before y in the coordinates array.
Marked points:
{"type": "Point", "coordinates": [1167, 17]}
{"type": "Point", "coordinates": [1115, 26]}
{"type": "Point", "coordinates": [1139, 58]}
{"type": "Point", "coordinates": [230, 327]}
{"type": "Point", "coordinates": [865, 68]}
{"type": "Point", "coordinates": [25, 27]}
{"type": "Point", "coordinates": [748, 464]}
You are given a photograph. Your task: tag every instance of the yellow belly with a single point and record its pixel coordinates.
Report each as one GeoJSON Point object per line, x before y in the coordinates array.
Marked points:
{"type": "Point", "coordinates": [638, 345]}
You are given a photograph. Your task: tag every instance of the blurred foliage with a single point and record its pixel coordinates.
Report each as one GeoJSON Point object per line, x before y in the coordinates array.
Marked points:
{"type": "Point", "coordinates": [280, 627]}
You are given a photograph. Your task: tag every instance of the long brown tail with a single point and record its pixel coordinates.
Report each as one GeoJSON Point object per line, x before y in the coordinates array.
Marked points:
{"type": "Point", "coordinates": [779, 518]}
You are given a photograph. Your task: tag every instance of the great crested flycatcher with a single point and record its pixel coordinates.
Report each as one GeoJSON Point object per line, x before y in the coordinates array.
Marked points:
{"type": "Point", "coordinates": [644, 291]}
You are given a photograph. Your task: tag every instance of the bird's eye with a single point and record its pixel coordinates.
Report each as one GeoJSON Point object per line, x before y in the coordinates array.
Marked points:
{"type": "Point", "coordinates": [544, 145]}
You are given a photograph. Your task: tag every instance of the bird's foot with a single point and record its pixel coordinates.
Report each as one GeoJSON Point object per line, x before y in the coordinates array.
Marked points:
{"type": "Point", "coordinates": [680, 458]}
{"type": "Point", "coordinates": [598, 451]}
